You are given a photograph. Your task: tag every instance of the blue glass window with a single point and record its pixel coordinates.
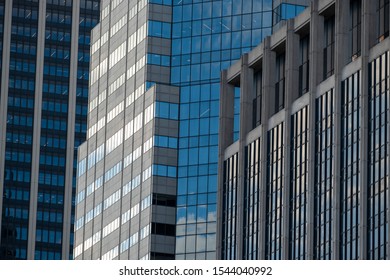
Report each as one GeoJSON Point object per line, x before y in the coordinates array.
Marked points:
{"type": "Point", "coordinates": [159, 29]}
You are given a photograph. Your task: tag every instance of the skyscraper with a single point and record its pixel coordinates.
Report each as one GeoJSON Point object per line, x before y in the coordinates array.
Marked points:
{"type": "Point", "coordinates": [147, 176]}
{"type": "Point", "coordinates": [43, 109]}
{"type": "Point", "coordinates": [308, 176]}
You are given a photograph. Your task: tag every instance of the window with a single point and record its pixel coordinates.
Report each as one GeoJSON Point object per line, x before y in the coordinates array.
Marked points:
{"type": "Point", "coordinates": [166, 110]}
{"type": "Point", "coordinates": [159, 29]}
{"type": "Point", "coordinates": [329, 40]}
{"type": "Point", "coordinates": [356, 23]}
{"type": "Point", "coordinates": [252, 207]}
{"type": "Point", "coordinates": [350, 185]}
{"type": "Point", "coordinates": [256, 118]}
{"type": "Point", "coordinates": [229, 221]}
{"type": "Point", "coordinates": [298, 185]}
{"type": "Point", "coordinates": [323, 186]}
{"type": "Point", "coordinates": [378, 157]}
{"type": "Point", "coordinates": [383, 19]}
{"type": "Point", "coordinates": [304, 65]}
{"type": "Point", "coordinates": [274, 193]}
{"type": "Point", "coordinates": [280, 83]}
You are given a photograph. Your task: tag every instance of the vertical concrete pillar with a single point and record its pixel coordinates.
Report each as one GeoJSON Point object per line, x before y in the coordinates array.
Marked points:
{"type": "Point", "coordinates": [246, 108]}
{"type": "Point", "coordinates": [367, 16]}
{"type": "Point", "coordinates": [32, 223]}
{"type": "Point", "coordinates": [291, 89]}
{"type": "Point", "coordinates": [226, 120]}
{"type": "Point", "coordinates": [341, 40]}
{"type": "Point", "coordinates": [70, 148]}
{"type": "Point", "coordinates": [315, 57]}
{"type": "Point", "coordinates": [268, 93]}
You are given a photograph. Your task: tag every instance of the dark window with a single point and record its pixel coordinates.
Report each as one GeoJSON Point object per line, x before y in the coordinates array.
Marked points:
{"type": "Point", "coordinates": [163, 229]}
{"type": "Point", "coordinates": [251, 201]}
{"type": "Point", "coordinates": [329, 32]}
{"type": "Point", "coordinates": [378, 158]}
{"type": "Point", "coordinates": [280, 83]}
{"type": "Point", "coordinates": [161, 256]}
{"type": "Point", "coordinates": [383, 19]}
{"type": "Point", "coordinates": [257, 99]}
{"type": "Point", "coordinates": [356, 23]}
{"type": "Point", "coordinates": [164, 200]}
{"type": "Point", "coordinates": [350, 210]}
{"type": "Point", "coordinates": [229, 222]}
{"type": "Point", "coordinates": [274, 194]}
{"type": "Point", "coordinates": [323, 187]}
{"type": "Point", "coordinates": [304, 65]}
{"type": "Point", "coordinates": [298, 185]}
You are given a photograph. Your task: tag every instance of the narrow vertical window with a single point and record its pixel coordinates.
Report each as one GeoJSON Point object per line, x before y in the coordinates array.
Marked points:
{"type": "Point", "coordinates": [256, 119]}
{"type": "Point", "coordinates": [329, 41]}
{"type": "Point", "coordinates": [280, 83]}
{"type": "Point", "coordinates": [356, 23]}
{"type": "Point", "coordinates": [304, 65]}
{"type": "Point", "coordinates": [383, 19]}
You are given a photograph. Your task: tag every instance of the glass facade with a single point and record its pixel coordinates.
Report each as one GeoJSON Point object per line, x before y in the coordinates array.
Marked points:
{"type": "Point", "coordinates": [252, 201]}
{"type": "Point", "coordinates": [20, 124]}
{"type": "Point", "coordinates": [274, 193]}
{"type": "Point", "coordinates": [166, 89]}
{"type": "Point", "coordinates": [285, 11]}
{"type": "Point", "coordinates": [229, 227]}
{"type": "Point", "coordinates": [53, 99]}
{"type": "Point", "coordinates": [350, 187]}
{"type": "Point", "coordinates": [378, 157]}
{"type": "Point", "coordinates": [208, 36]}
{"type": "Point", "coordinates": [298, 184]}
{"type": "Point", "coordinates": [323, 190]}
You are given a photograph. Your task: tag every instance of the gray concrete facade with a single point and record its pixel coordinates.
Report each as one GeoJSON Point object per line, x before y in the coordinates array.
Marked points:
{"type": "Point", "coordinates": [125, 206]}
{"type": "Point", "coordinates": [373, 45]}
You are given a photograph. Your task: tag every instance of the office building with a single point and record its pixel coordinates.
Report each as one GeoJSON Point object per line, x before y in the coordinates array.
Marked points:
{"type": "Point", "coordinates": [147, 178]}
{"type": "Point", "coordinates": [43, 109]}
{"type": "Point", "coordinates": [308, 175]}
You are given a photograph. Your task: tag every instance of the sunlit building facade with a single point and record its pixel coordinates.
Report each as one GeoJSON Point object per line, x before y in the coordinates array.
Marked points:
{"type": "Point", "coordinates": [147, 179]}
{"type": "Point", "coordinates": [43, 114]}
{"type": "Point", "coordinates": [308, 176]}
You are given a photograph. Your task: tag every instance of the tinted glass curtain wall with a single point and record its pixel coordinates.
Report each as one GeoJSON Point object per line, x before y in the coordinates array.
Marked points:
{"type": "Point", "coordinates": [45, 103]}
{"type": "Point", "coordinates": [160, 75]}
{"type": "Point", "coordinates": [207, 36]}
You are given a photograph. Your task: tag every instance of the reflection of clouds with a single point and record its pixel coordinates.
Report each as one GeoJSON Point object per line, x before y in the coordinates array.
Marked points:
{"type": "Point", "coordinates": [212, 216]}
{"type": "Point", "coordinates": [201, 242]}
{"type": "Point", "coordinates": [180, 244]}
{"type": "Point", "coordinates": [181, 220]}
{"type": "Point", "coordinates": [191, 218]}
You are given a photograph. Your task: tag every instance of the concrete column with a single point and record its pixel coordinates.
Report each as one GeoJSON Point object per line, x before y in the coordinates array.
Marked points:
{"type": "Point", "coordinates": [268, 93]}
{"type": "Point", "coordinates": [291, 89]}
{"type": "Point", "coordinates": [341, 40]}
{"type": "Point", "coordinates": [70, 148]}
{"type": "Point", "coordinates": [367, 17]}
{"type": "Point", "coordinates": [315, 55]}
{"type": "Point", "coordinates": [246, 108]}
{"type": "Point", "coordinates": [4, 95]}
{"type": "Point", "coordinates": [32, 223]}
